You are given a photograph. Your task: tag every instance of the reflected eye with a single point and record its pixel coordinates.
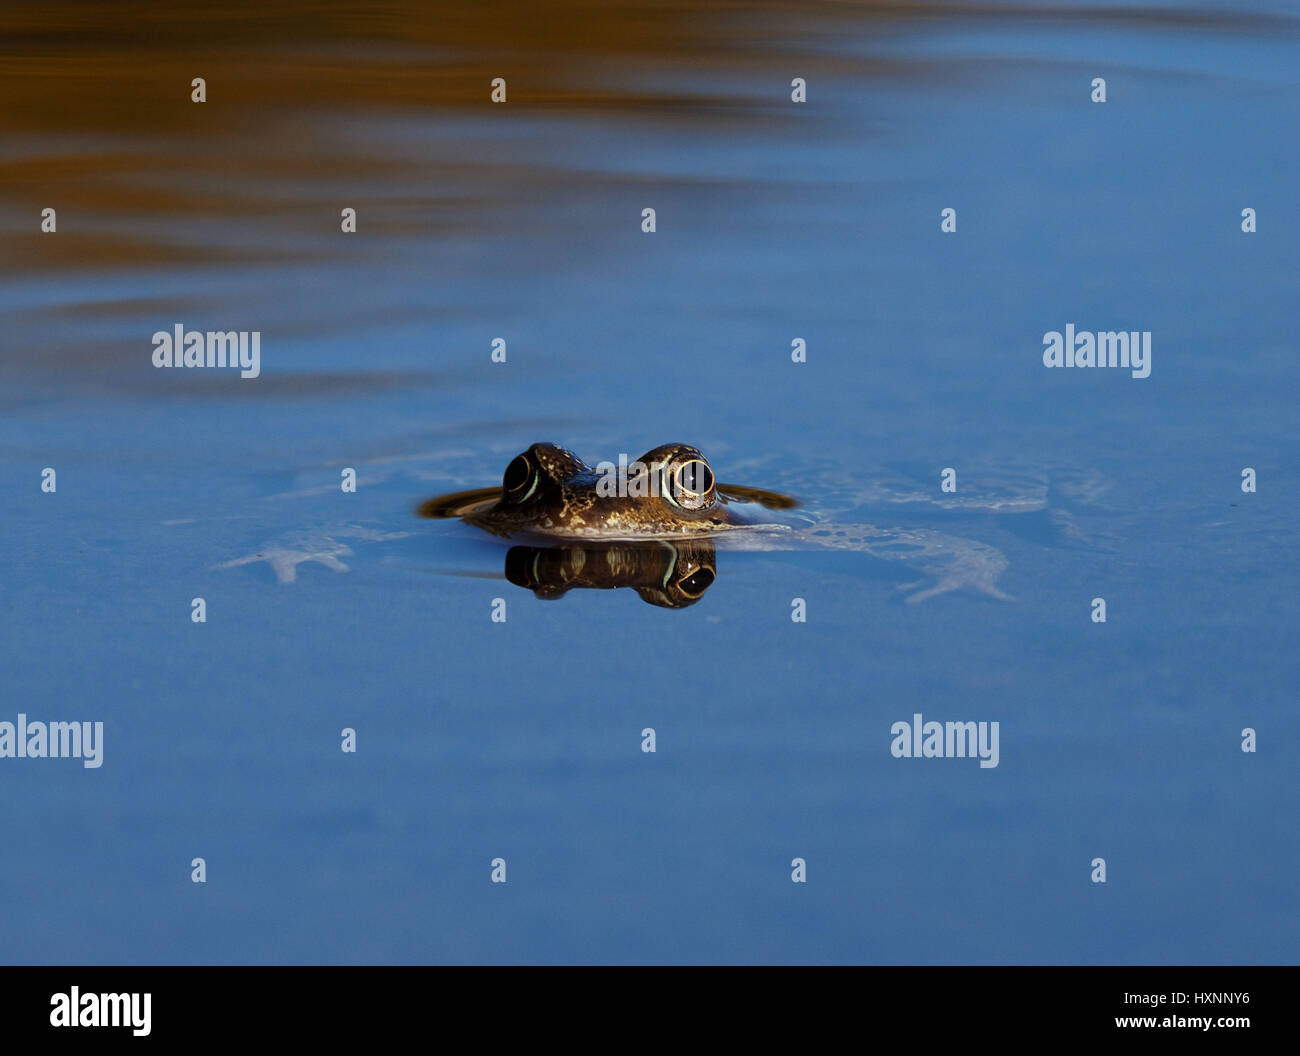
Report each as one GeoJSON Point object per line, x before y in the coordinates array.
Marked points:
{"type": "Point", "coordinates": [519, 479]}
{"type": "Point", "coordinates": [691, 484]}
{"type": "Point", "coordinates": [697, 582]}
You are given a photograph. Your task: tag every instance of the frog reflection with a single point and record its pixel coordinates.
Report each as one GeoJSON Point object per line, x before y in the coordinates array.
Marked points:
{"type": "Point", "coordinates": [672, 575]}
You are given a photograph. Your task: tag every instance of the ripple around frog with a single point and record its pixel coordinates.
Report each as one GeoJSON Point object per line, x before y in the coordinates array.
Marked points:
{"type": "Point", "coordinates": [949, 562]}
{"type": "Point", "coordinates": [835, 521]}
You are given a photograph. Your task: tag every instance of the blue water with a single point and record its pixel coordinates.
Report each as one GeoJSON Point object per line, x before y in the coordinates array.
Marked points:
{"type": "Point", "coordinates": [522, 740]}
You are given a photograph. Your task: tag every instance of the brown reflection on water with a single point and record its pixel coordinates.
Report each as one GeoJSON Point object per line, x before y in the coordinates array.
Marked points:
{"type": "Point", "coordinates": [93, 66]}
{"type": "Point", "coordinates": [96, 117]}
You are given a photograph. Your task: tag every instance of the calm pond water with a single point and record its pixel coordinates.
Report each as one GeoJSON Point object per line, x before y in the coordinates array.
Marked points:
{"type": "Point", "coordinates": [522, 740]}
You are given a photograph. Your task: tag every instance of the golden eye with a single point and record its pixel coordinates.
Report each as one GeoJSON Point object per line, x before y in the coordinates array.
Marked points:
{"type": "Point", "coordinates": [518, 478]}
{"type": "Point", "coordinates": [692, 484]}
{"type": "Point", "coordinates": [697, 582]}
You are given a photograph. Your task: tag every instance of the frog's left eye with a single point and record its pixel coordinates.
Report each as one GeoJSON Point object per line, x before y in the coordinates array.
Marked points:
{"type": "Point", "coordinates": [690, 484]}
{"type": "Point", "coordinates": [519, 480]}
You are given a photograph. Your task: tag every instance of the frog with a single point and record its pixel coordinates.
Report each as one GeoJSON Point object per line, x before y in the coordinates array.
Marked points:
{"type": "Point", "coordinates": [672, 493]}
{"type": "Point", "coordinates": [547, 491]}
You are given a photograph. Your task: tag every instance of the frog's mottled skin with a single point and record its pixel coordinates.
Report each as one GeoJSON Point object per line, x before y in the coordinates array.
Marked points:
{"type": "Point", "coordinates": [548, 491]}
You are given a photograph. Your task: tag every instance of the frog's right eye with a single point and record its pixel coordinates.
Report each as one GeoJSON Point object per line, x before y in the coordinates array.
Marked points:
{"type": "Point", "coordinates": [695, 584]}
{"type": "Point", "coordinates": [520, 479]}
{"type": "Point", "coordinates": [689, 485]}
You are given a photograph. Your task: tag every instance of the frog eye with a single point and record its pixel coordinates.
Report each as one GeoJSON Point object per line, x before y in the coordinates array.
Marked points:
{"type": "Point", "coordinates": [690, 484]}
{"type": "Point", "coordinates": [519, 480]}
{"type": "Point", "coordinates": [694, 585]}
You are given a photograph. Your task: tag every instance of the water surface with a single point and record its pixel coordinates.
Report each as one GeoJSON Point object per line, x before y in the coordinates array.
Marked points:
{"type": "Point", "coordinates": [522, 740]}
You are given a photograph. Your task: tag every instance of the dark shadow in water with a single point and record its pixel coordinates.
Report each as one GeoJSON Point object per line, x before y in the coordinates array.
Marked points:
{"type": "Point", "coordinates": [671, 575]}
